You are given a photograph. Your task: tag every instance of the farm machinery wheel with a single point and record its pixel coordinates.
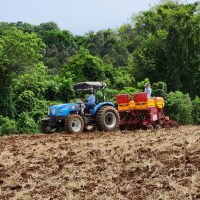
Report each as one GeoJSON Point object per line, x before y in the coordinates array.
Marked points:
{"type": "Point", "coordinates": [157, 126]}
{"type": "Point", "coordinates": [150, 127]}
{"type": "Point", "coordinates": [107, 119]}
{"type": "Point", "coordinates": [74, 123]}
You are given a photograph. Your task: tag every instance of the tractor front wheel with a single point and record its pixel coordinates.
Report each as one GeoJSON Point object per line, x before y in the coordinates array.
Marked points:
{"type": "Point", "coordinates": [107, 119]}
{"type": "Point", "coordinates": [74, 123]}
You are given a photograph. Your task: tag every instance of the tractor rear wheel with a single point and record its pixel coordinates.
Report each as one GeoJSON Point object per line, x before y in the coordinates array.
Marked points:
{"type": "Point", "coordinates": [74, 123]}
{"type": "Point", "coordinates": [107, 119]}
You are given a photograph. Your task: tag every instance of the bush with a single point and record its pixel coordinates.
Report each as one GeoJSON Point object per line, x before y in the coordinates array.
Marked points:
{"type": "Point", "coordinates": [111, 94]}
{"type": "Point", "coordinates": [129, 90]}
{"type": "Point", "coordinates": [40, 110]}
{"type": "Point", "coordinates": [35, 79]}
{"type": "Point", "coordinates": [179, 107]}
{"type": "Point", "coordinates": [26, 124]}
{"type": "Point", "coordinates": [7, 126]}
{"type": "Point", "coordinates": [159, 89]}
{"type": "Point", "coordinates": [141, 85]}
{"type": "Point", "coordinates": [25, 102]}
{"type": "Point", "coordinates": [196, 110]}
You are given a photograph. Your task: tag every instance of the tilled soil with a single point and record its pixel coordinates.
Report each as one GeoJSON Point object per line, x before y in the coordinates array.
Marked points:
{"type": "Point", "coordinates": [162, 164]}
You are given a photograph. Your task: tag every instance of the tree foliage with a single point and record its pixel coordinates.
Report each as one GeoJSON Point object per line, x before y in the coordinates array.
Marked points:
{"type": "Point", "coordinates": [169, 46]}
{"type": "Point", "coordinates": [7, 126]}
{"type": "Point", "coordinates": [179, 107]}
{"type": "Point", "coordinates": [40, 64]}
{"type": "Point", "coordinates": [85, 66]}
{"type": "Point", "coordinates": [18, 52]}
{"type": "Point", "coordinates": [26, 124]}
{"type": "Point", "coordinates": [196, 110]}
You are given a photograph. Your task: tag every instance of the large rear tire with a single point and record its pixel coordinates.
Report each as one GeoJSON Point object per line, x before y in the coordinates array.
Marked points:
{"type": "Point", "coordinates": [107, 119]}
{"type": "Point", "coordinates": [74, 123]}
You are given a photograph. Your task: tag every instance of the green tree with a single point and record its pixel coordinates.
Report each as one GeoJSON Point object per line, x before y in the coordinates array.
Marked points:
{"type": "Point", "coordinates": [169, 46]}
{"type": "Point", "coordinates": [196, 110]}
{"type": "Point", "coordinates": [141, 84]}
{"type": "Point", "coordinates": [159, 89]}
{"type": "Point", "coordinates": [107, 43]}
{"type": "Point", "coordinates": [18, 52]}
{"type": "Point", "coordinates": [48, 26]}
{"type": "Point", "coordinates": [26, 124]}
{"type": "Point", "coordinates": [64, 82]}
{"type": "Point", "coordinates": [60, 46]}
{"type": "Point", "coordinates": [34, 79]}
{"type": "Point", "coordinates": [179, 107]}
{"type": "Point", "coordinates": [25, 101]}
{"type": "Point", "coordinates": [85, 67]}
{"type": "Point", "coordinates": [7, 126]}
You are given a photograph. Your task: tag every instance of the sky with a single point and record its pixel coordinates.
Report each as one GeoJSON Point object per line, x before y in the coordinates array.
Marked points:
{"type": "Point", "coordinates": [77, 16]}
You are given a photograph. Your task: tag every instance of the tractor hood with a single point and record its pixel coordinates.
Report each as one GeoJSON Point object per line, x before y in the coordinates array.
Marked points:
{"type": "Point", "coordinates": [62, 110]}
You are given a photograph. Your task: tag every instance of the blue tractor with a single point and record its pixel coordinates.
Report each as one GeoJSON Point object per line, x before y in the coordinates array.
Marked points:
{"type": "Point", "coordinates": [75, 117]}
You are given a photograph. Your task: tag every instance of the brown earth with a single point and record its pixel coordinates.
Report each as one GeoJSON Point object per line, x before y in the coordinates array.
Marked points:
{"type": "Point", "coordinates": [162, 164]}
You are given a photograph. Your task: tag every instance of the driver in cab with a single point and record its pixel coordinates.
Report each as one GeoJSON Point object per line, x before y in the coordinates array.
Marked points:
{"type": "Point", "coordinates": [90, 103]}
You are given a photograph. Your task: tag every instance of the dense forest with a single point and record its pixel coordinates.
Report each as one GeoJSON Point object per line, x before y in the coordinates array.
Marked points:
{"type": "Point", "coordinates": [39, 64]}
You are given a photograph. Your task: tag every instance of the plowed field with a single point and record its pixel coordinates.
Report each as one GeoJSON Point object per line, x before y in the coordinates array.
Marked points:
{"type": "Point", "coordinates": [162, 164]}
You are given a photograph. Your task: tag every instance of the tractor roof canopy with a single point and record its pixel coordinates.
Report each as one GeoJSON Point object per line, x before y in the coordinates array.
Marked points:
{"type": "Point", "coordinates": [89, 86]}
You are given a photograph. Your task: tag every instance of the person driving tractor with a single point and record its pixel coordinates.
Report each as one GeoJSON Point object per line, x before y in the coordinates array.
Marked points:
{"type": "Point", "coordinates": [90, 103]}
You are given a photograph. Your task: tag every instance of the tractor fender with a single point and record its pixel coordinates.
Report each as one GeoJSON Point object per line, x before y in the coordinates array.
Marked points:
{"type": "Point", "coordinates": [100, 105]}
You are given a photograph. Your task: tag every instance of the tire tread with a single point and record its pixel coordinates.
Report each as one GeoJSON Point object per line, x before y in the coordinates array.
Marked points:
{"type": "Point", "coordinates": [68, 123]}
{"type": "Point", "coordinates": [100, 115]}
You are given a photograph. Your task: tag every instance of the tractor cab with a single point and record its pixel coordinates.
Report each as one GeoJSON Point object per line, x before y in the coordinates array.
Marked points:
{"type": "Point", "coordinates": [89, 88]}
